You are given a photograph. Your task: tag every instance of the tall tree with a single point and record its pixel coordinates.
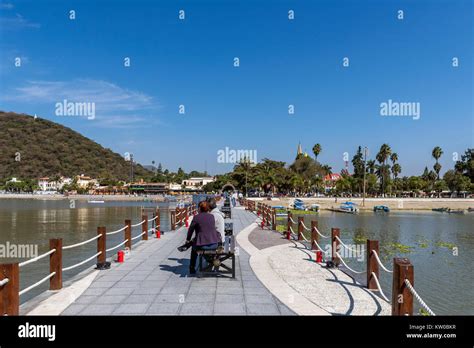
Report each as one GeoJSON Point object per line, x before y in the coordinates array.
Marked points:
{"type": "Point", "coordinates": [382, 156]}
{"type": "Point", "coordinates": [317, 150]}
{"type": "Point", "coordinates": [437, 152]}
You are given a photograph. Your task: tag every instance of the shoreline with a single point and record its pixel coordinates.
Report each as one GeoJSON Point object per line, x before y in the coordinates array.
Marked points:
{"type": "Point", "coordinates": [110, 198]}
{"type": "Point", "coordinates": [401, 204]}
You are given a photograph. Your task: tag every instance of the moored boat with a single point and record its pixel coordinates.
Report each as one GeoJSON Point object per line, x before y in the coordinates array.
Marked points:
{"type": "Point", "coordinates": [440, 210]}
{"type": "Point", "coordinates": [347, 207]}
{"type": "Point", "coordinates": [456, 211]}
{"type": "Point", "coordinates": [382, 208]}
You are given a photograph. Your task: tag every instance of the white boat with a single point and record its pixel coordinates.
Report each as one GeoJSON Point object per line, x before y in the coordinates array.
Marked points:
{"type": "Point", "coordinates": [95, 202]}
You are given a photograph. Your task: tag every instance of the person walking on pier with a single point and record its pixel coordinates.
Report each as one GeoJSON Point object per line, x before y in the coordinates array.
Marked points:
{"type": "Point", "coordinates": [206, 236]}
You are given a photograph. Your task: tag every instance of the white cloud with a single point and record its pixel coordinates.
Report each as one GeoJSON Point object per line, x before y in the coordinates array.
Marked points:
{"type": "Point", "coordinates": [17, 22]}
{"type": "Point", "coordinates": [116, 107]}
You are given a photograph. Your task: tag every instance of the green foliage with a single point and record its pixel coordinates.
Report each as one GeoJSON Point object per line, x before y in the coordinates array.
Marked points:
{"type": "Point", "coordinates": [49, 149]}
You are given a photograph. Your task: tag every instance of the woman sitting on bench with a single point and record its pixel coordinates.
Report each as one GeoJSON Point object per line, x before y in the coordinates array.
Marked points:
{"type": "Point", "coordinates": [206, 235]}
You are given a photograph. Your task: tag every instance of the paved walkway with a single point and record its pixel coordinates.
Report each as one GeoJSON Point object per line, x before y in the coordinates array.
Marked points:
{"type": "Point", "coordinates": [289, 271]}
{"type": "Point", "coordinates": [155, 281]}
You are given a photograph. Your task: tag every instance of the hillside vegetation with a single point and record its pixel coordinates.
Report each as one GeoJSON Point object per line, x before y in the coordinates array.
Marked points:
{"type": "Point", "coordinates": [31, 148]}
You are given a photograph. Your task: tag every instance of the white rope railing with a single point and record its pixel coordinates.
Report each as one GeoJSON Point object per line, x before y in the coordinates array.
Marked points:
{"type": "Point", "coordinates": [380, 263]}
{"type": "Point", "coordinates": [24, 263]}
{"type": "Point", "coordinates": [82, 262]}
{"type": "Point", "coordinates": [141, 234]}
{"type": "Point", "coordinates": [292, 221]}
{"type": "Point", "coordinates": [4, 281]}
{"type": "Point", "coordinates": [117, 231]}
{"type": "Point", "coordinates": [304, 226]}
{"type": "Point", "coordinates": [293, 232]}
{"type": "Point", "coordinates": [319, 247]}
{"type": "Point", "coordinates": [36, 284]}
{"type": "Point", "coordinates": [345, 264]}
{"type": "Point", "coordinates": [379, 287]}
{"type": "Point", "coordinates": [81, 243]}
{"type": "Point", "coordinates": [345, 246]}
{"type": "Point", "coordinates": [322, 235]}
{"type": "Point", "coordinates": [418, 297]}
{"type": "Point", "coordinates": [138, 224]}
{"type": "Point", "coordinates": [117, 246]}
{"type": "Point", "coordinates": [152, 219]}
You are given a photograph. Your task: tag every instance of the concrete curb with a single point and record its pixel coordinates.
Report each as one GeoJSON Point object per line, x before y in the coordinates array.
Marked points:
{"type": "Point", "coordinates": [277, 286]}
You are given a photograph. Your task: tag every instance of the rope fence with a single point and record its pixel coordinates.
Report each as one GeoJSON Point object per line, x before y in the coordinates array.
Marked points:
{"type": "Point", "coordinates": [9, 285]}
{"type": "Point", "coordinates": [402, 272]}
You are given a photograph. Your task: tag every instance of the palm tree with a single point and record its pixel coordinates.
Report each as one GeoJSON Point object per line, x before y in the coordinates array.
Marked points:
{"type": "Point", "coordinates": [396, 169]}
{"type": "Point", "coordinates": [382, 156]}
{"type": "Point", "coordinates": [394, 159]}
{"type": "Point", "coordinates": [326, 169]}
{"type": "Point", "coordinates": [371, 167]}
{"type": "Point", "coordinates": [437, 152]}
{"type": "Point", "coordinates": [317, 150]}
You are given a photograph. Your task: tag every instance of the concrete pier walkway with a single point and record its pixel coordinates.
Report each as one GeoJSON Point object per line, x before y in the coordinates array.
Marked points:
{"type": "Point", "coordinates": [155, 281]}
{"type": "Point", "coordinates": [274, 276]}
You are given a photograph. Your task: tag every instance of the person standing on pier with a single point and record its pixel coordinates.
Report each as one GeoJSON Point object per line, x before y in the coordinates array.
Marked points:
{"type": "Point", "coordinates": [206, 235]}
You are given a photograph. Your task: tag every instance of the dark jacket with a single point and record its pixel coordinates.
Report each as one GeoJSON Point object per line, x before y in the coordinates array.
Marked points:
{"type": "Point", "coordinates": [204, 226]}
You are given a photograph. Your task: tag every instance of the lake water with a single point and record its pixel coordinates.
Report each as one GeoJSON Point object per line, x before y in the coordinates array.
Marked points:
{"type": "Point", "coordinates": [31, 221]}
{"type": "Point", "coordinates": [445, 281]}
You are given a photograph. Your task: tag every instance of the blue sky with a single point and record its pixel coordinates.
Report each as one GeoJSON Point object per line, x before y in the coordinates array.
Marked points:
{"type": "Point", "coordinates": [282, 62]}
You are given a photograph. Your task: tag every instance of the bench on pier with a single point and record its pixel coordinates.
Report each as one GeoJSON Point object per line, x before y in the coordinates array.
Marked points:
{"type": "Point", "coordinates": [215, 258]}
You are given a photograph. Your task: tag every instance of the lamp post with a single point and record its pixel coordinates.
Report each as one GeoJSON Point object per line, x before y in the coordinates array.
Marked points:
{"type": "Point", "coordinates": [366, 150]}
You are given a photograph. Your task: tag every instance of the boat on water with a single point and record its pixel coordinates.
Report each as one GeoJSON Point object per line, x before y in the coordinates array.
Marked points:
{"type": "Point", "coordinates": [95, 202]}
{"type": "Point", "coordinates": [314, 207]}
{"type": "Point", "coordinates": [456, 211]}
{"type": "Point", "coordinates": [470, 210]}
{"type": "Point", "coordinates": [297, 204]}
{"type": "Point", "coordinates": [381, 208]}
{"type": "Point", "coordinates": [449, 210]}
{"type": "Point", "coordinates": [440, 210]}
{"type": "Point", "coordinates": [347, 207]}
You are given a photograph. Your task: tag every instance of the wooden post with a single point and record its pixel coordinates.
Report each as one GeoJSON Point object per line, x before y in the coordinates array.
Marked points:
{"type": "Point", "coordinates": [101, 243]}
{"type": "Point", "coordinates": [269, 215]}
{"type": "Point", "coordinates": [128, 234]}
{"type": "Point", "coordinates": [314, 235]}
{"type": "Point", "coordinates": [300, 227]}
{"type": "Point", "coordinates": [274, 219]}
{"type": "Point", "coordinates": [372, 264]}
{"type": "Point", "coordinates": [56, 264]}
{"type": "Point", "coordinates": [145, 227]}
{"type": "Point", "coordinates": [335, 245]}
{"type": "Point", "coordinates": [173, 219]}
{"type": "Point", "coordinates": [157, 220]}
{"type": "Point", "coordinates": [10, 292]}
{"type": "Point", "coordinates": [402, 299]}
{"type": "Point", "coordinates": [288, 225]}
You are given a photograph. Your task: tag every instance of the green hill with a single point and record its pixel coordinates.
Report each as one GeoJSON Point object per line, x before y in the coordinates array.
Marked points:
{"type": "Point", "coordinates": [47, 149]}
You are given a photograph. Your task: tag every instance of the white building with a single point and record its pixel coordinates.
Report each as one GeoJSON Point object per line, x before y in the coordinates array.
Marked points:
{"type": "Point", "coordinates": [46, 184]}
{"type": "Point", "coordinates": [196, 183]}
{"type": "Point", "coordinates": [83, 181]}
